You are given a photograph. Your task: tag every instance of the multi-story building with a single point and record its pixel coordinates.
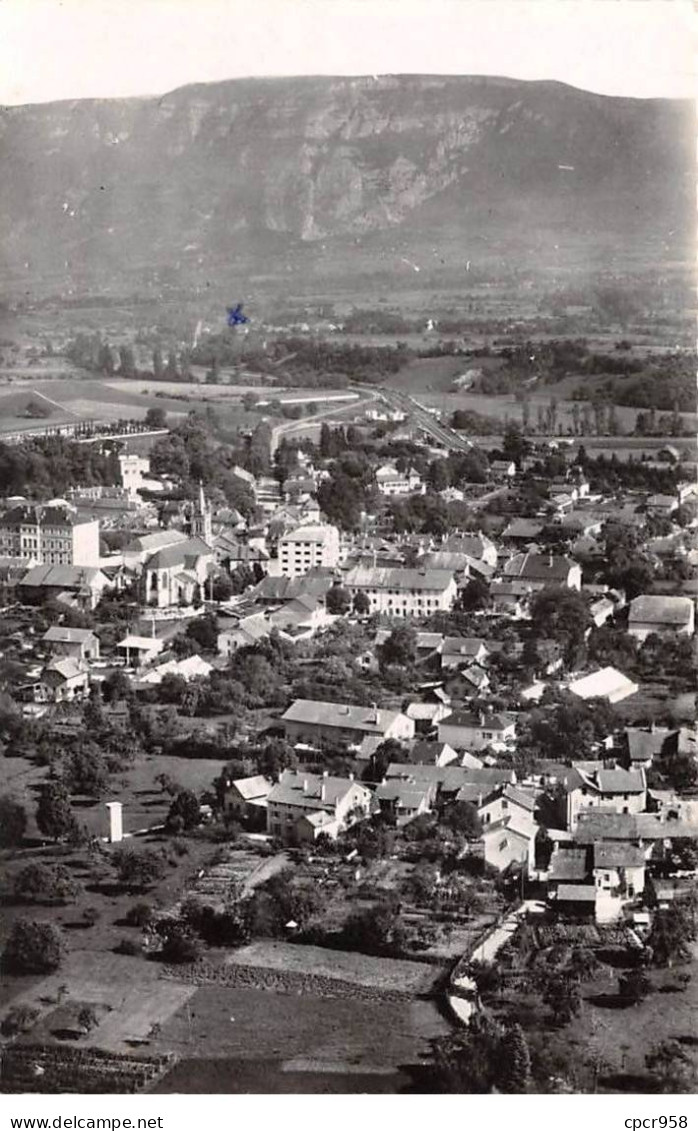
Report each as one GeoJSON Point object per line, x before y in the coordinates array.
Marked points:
{"type": "Point", "coordinates": [306, 547]}
{"type": "Point", "coordinates": [132, 469]}
{"type": "Point", "coordinates": [314, 721]}
{"type": "Point", "coordinates": [49, 535]}
{"type": "Point", "coordinates": [391, 482]}
{"type": "Point", "coordinates": [303, 806]}
{"type": "Point", "coordinates": [542, 570]}
{"type": "Point", "coordinates": [404, 592]}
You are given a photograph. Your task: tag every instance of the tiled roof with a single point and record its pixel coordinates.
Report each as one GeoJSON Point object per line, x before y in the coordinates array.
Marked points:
{"type": "Point", "coordinates": [310, 791]}
{"type": "Point", "coordinates": [462, 646]}
{"type": "Point", "coordinates": [373, 720]}
{"type": "Point", "coordinates": [577, 893]}
{"type": "Point", "coordinates": [58, 634]}
{"type": "Point", "coordinates": [539, 567]}
{"type": "Point", "coordinates": [434, 580]}
{"type": "Point", "coordinates": [661, 610]}
{"type": "Point", "coordinates": [618, 855]}
{"type": "Point", "coordinates": [621, 781]}
{"type": "Point", "coordinates": [249, 788]}
{"type": "Point", "coordinates": [569, 864]}
{"type": "Point", "coordinates": [60, 576]}
{"type": "Point", "coordinates": [494, 721]}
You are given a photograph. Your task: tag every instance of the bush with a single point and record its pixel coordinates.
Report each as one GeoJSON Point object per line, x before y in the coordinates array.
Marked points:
{"type": "Point", "coordinates": [33, 948]}
{"type": "Point", "coordinates": [140, 915]}
{"type": "Point", "coordinates": [41, 883]}
{"type": "Point", "coordinates": [19, 1019]}
{"type": "Point", "coordinates": [129, 947]}
{"type": "Point", "coordinates": [634, 986]}
{"type": "Point", "coordinates": [138, 870]}
{"type": "Point", "coordinates": [180, 947]}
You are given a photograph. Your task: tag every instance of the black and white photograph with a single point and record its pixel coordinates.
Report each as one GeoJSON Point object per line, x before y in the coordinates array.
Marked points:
{"type": "Point", "coordinates": [348, 557]}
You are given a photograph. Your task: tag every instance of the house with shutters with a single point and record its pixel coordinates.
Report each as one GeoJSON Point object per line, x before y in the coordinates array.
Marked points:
{"type": "Point", "coordinates": [403, 592]}
{"type": "Point", "coordinates": [78, 643]}
{"type": "Point", "coordinates": [540, 571]}
{"type": "Point", "coordinates": [469, 730]}
{"type": "Point", "coordinates": [614, 790]}
{"type": "Point", "coordinates": [302, 806]}
{"type": "Point", "coordinates": [510, 840]}
{"type": "Point", "coordinates": [314, 721]}
{"type": "Point", "coordinates": [63, 680]}
{"type": "Point", "coordinates": [462, 651]}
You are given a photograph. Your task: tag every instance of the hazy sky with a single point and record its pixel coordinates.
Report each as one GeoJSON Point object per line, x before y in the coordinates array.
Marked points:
{"type": "Point", "coordinates": [51, 49]}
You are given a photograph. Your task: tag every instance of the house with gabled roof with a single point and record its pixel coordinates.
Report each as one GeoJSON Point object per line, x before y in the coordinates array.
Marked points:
{"type": "Point", "coordinates": [664, 616]}
{"type": "Point", "coordinates": [462, 651]}
{"type": "Point", "coordinates": [470, 730]}
{"type": "Point", "coordinates": [510, 840]}
{"type": "Point", "coordinates": [505, 800]}
{"type": "Point", "coordinates": [403, 592]}
{"type": "Point", "coordinates": [605, 683]}
{"type": "Point", "coordinates": [75, 586]}
{"type": "Point", "coordinates": [403, 799]}
{"type": "Point", "coordinates": [79, 643]}
{"type": "Point", "coordinates": [245, 799]}
{"type": "Point", "coordinates": [63, 680]}
{"type": "Point", "coordinates": [302, 806]}
{"type": "Point", "coordinates": [314, 721]}
{"type": "Point", "coordinates": [542, 570]}
{"type": "Point", "coordinates": [615, 790]}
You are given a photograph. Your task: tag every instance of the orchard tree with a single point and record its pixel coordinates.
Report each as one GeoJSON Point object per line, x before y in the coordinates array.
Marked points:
{"type": "Point", "coordinates": [184, 813]}
{"type": "Point", "coordinates": [156, 418]}
{"type": "Point", "coordinates": [13, 822]}
{"type": "Point", "coordinates": [54, 814]}
{"type": "Point", "coordinates": [42, 883]}
{"type": "Point", "coordinates": [32, 948]}
{"type": "Point", "coordinates": [138, 870]}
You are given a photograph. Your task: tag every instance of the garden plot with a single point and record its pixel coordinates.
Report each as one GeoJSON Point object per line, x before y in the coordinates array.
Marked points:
{"type": "Point", "coordinates": [134, 997]}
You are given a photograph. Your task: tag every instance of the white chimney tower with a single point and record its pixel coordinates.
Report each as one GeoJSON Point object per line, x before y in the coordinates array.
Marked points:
{"type": "Point", "coordinates": [116, 828]}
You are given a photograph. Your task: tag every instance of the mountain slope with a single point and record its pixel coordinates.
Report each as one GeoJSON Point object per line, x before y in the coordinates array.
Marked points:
{"type": "Point", "coordinates": [340, 174]}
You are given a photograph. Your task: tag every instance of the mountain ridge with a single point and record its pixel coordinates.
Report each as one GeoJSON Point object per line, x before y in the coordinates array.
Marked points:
{"type": "Point", "coordinates": [220, 176]}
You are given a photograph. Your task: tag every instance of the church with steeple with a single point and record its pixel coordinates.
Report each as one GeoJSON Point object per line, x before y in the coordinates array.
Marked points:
{"type": "Point", "coordinates": [201, 521]}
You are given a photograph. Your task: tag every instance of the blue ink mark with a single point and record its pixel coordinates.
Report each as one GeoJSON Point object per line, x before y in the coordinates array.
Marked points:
{"type": "Point", "coordinates": [235, 315]}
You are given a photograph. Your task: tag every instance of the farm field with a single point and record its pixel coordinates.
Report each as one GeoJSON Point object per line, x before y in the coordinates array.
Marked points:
{"type": "Point", "coordinates": [360, 969]}
{"type": "Point", "coordinates": [82, 397]}
{"type": "Point", "coordinates": [254, 1040]}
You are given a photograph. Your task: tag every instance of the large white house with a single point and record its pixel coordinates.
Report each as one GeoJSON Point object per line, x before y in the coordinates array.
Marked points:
{"type": "Point", "coordinates": [303, 806]}
{"type": "Point", "coordinates": [666, 616]}
{"type": "Point", "coordinates": [390, 481]}
{"type": "Point", "coordinates": [541, 570]}
{"type": "Point", "coordinates": [49, 535]}
{"type": "Point", "coordinates": [403, 592]}
{"type": "Point", "coordinates": [312, 721]}
{"type": "Point", "coordinates": [306, 547]}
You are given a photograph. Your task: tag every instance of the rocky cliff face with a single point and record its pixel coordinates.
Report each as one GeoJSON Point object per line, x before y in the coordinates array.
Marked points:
{"type": "Point", "coordinates": [257, 170]}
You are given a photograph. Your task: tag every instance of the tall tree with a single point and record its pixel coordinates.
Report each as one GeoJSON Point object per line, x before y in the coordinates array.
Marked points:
{"type": "Point", "coordinates": [515, 1061]}
{"type": "Point", "coordinates": [54, 815]}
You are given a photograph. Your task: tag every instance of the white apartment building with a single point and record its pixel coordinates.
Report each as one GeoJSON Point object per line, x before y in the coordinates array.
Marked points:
{"type": "Point", "coordinates": [49, 535]}
{"type": "Point", "coordinates": [404, 592]}
{"type": "Point", "coordinates": [132, 469]}
{"type": "Point", "coordinates": [308, 546]}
